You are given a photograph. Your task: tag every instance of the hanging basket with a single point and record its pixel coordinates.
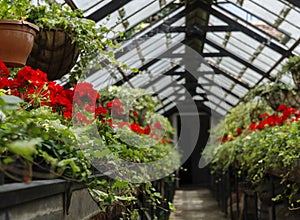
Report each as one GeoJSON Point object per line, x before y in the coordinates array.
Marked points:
{"type": "Point", "coordinates": [296, 78]}
{"type": "Point", "coordinates": [53, 53]}
{"type": "Point", "coordinates": [17, 38]}
{"type": "Point", "coordinates": [290, 98]}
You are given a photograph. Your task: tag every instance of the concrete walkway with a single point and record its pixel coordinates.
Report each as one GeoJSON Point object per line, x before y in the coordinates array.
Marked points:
{"type": "Point", "coordinates": [196, 204]}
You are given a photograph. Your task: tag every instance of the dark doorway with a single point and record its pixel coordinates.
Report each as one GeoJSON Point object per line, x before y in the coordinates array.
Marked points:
{"type": "Point", "coordinates": [191, 175]}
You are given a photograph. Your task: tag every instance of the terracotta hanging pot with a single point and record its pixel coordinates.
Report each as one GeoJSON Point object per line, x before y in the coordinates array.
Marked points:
{"type": "Point", "coordinates": [53, 53]}
{"type": "Point", "coordinates": [16, 41]}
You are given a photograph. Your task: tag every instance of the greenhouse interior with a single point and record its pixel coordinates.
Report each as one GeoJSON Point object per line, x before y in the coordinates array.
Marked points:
{"type": "Point", "coordinates": [150, 109]}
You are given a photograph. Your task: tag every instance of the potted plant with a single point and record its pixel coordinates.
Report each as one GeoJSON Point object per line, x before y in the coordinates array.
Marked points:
{"type": "Point", "coordinates": [16, 35]}
{"type": "Point", "coordinates": [67, 39]}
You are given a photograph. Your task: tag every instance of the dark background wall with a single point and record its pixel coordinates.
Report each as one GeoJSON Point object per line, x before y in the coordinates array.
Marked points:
{"type": "Point", "coordinates": [194, 176]}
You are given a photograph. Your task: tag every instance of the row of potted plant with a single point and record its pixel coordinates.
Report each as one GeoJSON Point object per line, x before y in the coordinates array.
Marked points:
{"type": "Point", "coordinates": [264, 143]}
{"type": "Point", "coordinates": [47, 131]}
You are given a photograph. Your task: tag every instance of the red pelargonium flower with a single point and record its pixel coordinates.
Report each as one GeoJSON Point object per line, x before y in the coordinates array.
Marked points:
{"type": "Point", "coordinates": [136, 128]}
{"type": "Point", "coordinates": [85, 94]}
{"type": "Point", "coordinates": [62, 100]}
{"type": "Point", "coordinates": [252, 126]}
{"type": "Point", "coordinates": [281, 108]}
{"type": "Point", "coordinates": [226, 138]}
{"type": "Point", "coordinates": [5, 82]}
{"type": "Point", "coordinates": [27, 75]}
{"type": "Point", "coordinates": [239, 131]}
{"type": "Point", "coordinates": [147, 130]}
{"type": "Point", "coordinates": [55, 88]}
{"type": "Point", "coordinates": [115, 106]}
{"type": "Point", "coordinates": [3, 70]}
{"type": "Point", "coordinates": [67, 114]}
{"type": "Point", "coordinates": [90, 109]}
{"type": "Point", "coordinates": [100, 111]}
{"type": "Point", "coordinates": [135, 114]}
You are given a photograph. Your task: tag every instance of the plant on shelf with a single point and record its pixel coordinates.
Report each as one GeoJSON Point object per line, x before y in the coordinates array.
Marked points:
{"type": "Point", "coordinates": [46, 133]}
{"type": "Point", "coordinates": [265, 146]}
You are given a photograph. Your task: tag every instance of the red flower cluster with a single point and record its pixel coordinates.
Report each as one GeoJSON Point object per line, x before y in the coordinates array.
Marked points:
{"type": "Point", "coordinates": [78, 103]}
{"type": "Point", "coordinates": [134, 127]}
{"type": "Point", "coordinates": [284, 115]}
{"type": "Point", "coordinates": [85, 94]}
{"type": "Point", "coordinates": [115, 107]}
{"type": "Point", "coordinates": [34, 87]}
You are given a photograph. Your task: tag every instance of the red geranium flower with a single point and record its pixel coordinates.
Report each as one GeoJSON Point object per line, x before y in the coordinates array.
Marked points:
{"type": "Point", "coordinates": [136, 128]}
{"type": "Point", "coordinates": [3, 70]}
{"type": "Point", "coordinates": [147, 130]}
{"type": "Point", "coordinates": [85, 94]}
{"type": "Point", "coordinates": [100, 111]}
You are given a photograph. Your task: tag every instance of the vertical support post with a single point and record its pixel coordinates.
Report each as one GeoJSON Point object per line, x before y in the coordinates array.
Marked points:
{"type": "Point", "coordinates": [256, 205]}
{"type": "Point", "coordinates": [273, 203]}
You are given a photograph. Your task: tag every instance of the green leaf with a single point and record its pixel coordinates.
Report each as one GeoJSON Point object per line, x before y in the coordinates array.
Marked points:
{"type": "Point", "coordinates": [10, 99]}
{"type": "Point", "coordinates": [71, 163]}
{"type": "Point", "coordinates": [171, 206]}
{"type": "Point", "coordinates": [100, 154]}
{"type": "Point", "coordinates": [8, 160]}
{"type": "Point", "coordinates": [25, 148]}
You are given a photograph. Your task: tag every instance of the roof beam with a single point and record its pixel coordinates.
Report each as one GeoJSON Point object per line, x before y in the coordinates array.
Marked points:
{"type": "Point", "coordinates": [168, 85]}
{"type": "Point", "coordinates": [182, 55]}
{"type": "Point", "coordinates": [153, 32]}
{"type": "Point", "coordinates": [295, 2]}
{"type": "Point", "coordinates": [218, 70]}
{"type": "Point", "coordinates": [197, 29]}
{"type": "Point", "coordinates": [237, 58]}
{"type": "Point", "coordinates": [71, 4]}
{"type": "Point", "coordinates": [107, 9]}
{"type": "Point", "coordinates": [145, 66]}
{"type": "Point", "coordinates": [161, 14]}
{"type": "Point", "coordinates": [244, 29]}
{"type": "Point", "coordinates": [152, 82]}
{"type": "Point", "coordinates": [201, 108]}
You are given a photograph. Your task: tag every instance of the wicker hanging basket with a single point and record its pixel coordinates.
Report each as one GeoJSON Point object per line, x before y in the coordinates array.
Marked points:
{"type": "Point", "coordinates": [290, 98]}
{"type": "Point", "coordinates": [54, 53]}
{"type": "Point", "coordinates": [296, 78]}
{"type": "Point", "coordinates": [16, 39]}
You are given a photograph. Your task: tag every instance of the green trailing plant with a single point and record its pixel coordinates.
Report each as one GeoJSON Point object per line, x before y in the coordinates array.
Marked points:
{"type": "Point", "coordinates": [92, 41]}
{"type": "Point", "coordinates": [41, 138]}
{"type": "Point", "coordinates": [265, 147]}
{"type": "Point", "coordinates": [292, 66]}
{"type": "Point", "coordinates": [14, 10]}
{"type": "Point", "coordinates": [275, 94]}
{"type": "Point", "coordinates": [239, 118]}
{"type": "Point", "coordinates": [38, 139]}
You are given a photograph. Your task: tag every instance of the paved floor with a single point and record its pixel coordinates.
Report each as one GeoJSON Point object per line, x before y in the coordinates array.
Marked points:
{"type": "Point", "coordinates": [196, 204]}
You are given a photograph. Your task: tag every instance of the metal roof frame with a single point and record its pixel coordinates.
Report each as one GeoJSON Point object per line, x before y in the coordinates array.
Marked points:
{"type": "Point", "coordinates": [218, 50]}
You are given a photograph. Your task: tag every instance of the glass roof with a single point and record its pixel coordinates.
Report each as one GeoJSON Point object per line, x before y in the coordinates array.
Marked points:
{"type": "Point", "coordinates": [241, 41]}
